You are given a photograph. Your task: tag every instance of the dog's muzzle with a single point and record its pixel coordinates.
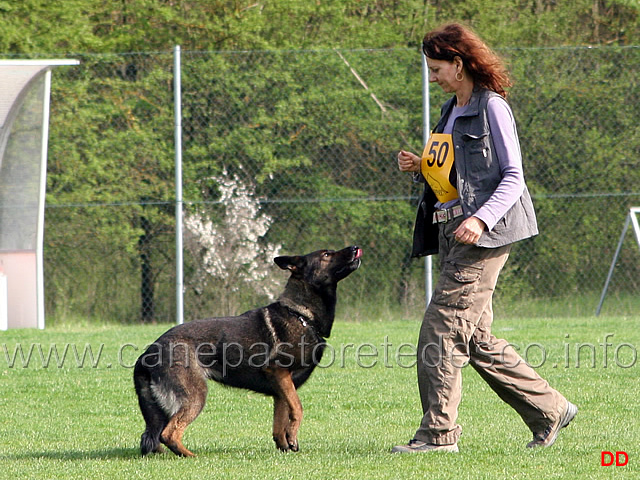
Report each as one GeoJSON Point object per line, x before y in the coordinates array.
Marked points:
{"type": "Point", "coordinates": [357, 254]}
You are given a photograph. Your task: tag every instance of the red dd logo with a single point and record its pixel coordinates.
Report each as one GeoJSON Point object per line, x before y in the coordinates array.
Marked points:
{"type": "Point", "coordinates": [608, 459]}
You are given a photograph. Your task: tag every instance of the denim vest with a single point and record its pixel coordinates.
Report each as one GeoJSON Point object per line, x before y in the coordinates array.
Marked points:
{"type": "Point", "coordinates": [478, 175]}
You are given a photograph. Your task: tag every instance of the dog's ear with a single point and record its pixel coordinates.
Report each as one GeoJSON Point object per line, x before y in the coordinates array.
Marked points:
{"type": "Point", "coordinates": [289, 263]}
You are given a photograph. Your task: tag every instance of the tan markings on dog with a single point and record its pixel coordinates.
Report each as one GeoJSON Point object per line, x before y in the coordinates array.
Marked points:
{"type": "Point", "coordinates": [287, 410]}
{"type": "Point", "coordinates": [269, 324]}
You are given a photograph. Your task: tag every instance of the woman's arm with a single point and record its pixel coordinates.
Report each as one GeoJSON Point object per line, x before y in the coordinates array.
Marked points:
{"type": "Point", "coordinates": [505, 138]}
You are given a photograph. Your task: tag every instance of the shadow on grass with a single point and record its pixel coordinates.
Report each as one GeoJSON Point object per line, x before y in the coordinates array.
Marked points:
{"type": "Point", "coordinates": [106, 454]}
{"type": "Point", "coordinates": [134, 453]}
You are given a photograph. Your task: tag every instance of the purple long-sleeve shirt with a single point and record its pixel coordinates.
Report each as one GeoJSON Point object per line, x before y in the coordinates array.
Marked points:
{"type": "Point", "coordinates": [505, 139]}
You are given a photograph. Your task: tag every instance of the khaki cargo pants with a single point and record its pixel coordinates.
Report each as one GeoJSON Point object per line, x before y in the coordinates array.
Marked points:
{"type": "Point", "coordinates": [456, 331]}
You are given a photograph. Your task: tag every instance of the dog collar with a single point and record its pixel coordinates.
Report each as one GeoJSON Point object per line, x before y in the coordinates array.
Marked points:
{"type": "Point", "coordinates": [305, 321]}
{"type": "Point", "coordinates": [302, 320]}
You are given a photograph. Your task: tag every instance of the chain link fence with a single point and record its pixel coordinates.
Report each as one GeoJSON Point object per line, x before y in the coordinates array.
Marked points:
{"type": "Point", "coordinates": [292, 151]}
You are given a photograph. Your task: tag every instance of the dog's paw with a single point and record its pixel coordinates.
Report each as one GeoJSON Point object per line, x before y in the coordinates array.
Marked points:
{"type": "Point", "coordinates": [286, 444]}
{"type": "Point", "coordinates": [292, 441]}
{"type": "Point", "coordinates": [281, 443]}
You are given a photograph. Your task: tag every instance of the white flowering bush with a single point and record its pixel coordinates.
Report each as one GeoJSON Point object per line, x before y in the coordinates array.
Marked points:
{"type": "Point", "coordinates": [232, 256]}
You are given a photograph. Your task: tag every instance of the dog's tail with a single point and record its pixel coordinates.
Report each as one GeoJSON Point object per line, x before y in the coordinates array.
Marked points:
{"type": "Point", "coordinates": [154, 416]}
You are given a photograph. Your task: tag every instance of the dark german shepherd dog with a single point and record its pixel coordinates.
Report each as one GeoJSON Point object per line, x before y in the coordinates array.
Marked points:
{"type": "Point", "coordinates": [271, 350]}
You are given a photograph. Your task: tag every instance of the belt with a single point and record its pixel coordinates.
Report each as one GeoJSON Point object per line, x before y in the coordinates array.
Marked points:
{"type": "Point", "coordinates": [448, 214]}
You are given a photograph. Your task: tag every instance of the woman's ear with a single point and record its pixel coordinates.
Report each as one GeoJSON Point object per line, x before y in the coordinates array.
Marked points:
{"type": "Point", "coordinates": [457, 60]}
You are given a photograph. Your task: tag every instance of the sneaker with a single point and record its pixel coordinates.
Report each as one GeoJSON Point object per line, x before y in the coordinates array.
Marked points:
{"type": "Point", "coordinates": [416, 446]}
{"type": "Point", "coordinates": [548, 437]}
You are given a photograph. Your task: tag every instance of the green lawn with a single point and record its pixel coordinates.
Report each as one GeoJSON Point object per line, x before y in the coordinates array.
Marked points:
{"type": "Point", "coordinates": [79, 419]}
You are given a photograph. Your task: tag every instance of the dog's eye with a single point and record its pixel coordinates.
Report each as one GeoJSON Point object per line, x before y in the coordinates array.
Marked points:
{"type": "Point", "coordinates": [326, 254]}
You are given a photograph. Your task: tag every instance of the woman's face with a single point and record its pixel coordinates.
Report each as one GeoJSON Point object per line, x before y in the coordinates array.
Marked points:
{"type": "Point", "coordinates": [443, 72]}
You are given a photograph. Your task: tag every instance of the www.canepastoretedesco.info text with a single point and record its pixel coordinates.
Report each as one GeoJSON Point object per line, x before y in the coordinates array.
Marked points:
{"type": "Point", "coordinates": [606, 353]}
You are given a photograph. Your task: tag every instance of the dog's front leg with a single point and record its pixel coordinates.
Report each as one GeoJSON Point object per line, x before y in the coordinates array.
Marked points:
{"type": "Point", "coordinates": [287, 410]}
{"type": "Point", "coordinates": [280, 422]}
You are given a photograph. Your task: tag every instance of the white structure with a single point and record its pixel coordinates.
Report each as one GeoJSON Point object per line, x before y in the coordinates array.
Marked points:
{"type": "Point", "coordinates": [632, 218]}
{"type": "Point", "coordinates": [25, 87]}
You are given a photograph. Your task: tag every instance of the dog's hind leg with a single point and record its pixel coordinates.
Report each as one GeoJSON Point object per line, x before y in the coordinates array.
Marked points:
{"type": "Point", "coordinates": [287, 410]}
{"type": "Point", "coordinates": [156, 421]}
{"type": "Point", "coordinates": [190, 409]}
{"type": "Point", "coordinates": [154, 417]}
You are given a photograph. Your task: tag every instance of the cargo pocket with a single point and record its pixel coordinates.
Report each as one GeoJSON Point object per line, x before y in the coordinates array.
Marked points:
{"type": "Point", "coordinates": [457, 285]}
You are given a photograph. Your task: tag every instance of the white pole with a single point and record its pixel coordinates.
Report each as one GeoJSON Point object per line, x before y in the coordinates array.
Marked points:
{"type": "Point", "coordinates": [46, 102]}
{"type": "Point", "coordinates": [428, 277]}
{"type": "Point", "coordinates": [178, 160]}
{"type": "Point", "coordinates": [631, 219]}
{"type": "Point", "coordinates": [613, 263]}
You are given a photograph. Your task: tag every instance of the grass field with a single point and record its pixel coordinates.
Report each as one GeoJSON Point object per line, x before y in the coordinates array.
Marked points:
{"type": "Point", "coordinates": [76, 416]}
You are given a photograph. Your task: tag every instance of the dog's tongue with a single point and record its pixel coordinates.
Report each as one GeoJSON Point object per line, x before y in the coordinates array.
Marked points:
{"type": "Point", "coordinates": [358, 253]}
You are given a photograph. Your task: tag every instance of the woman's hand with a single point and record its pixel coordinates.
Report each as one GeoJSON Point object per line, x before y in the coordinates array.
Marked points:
{"type": "Point", "coordinates": [408, 162]}
{"type": "Point", "coordinates": [470, 230]}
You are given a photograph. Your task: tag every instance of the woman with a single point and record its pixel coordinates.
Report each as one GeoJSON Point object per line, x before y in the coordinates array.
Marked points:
{"type": "Point", "coordinates": [475, 205]}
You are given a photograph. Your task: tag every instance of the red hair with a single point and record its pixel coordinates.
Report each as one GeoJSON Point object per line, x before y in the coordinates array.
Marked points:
{"type": "Point", "coordinates": [485, 67]}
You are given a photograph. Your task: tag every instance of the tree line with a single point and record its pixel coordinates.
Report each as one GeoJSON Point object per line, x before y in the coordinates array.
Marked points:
{"type": "Point", "coordinates": [267, 97]}
{"type": "Point", "coordinates": [99, 26]}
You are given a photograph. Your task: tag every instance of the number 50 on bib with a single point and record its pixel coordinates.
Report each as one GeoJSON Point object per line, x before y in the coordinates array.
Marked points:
{"type": "Point", "coordinates": [437, 161]}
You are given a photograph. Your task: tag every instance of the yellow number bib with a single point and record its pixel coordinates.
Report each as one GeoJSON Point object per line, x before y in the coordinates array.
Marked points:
{"type": "Point", "coordinates": [437, 160]}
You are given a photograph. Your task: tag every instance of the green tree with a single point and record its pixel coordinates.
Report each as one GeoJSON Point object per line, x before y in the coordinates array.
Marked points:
{"type": "Point", "coordinates": [267, 97]}
{"type": "Point", "coordinates": [112, 144]}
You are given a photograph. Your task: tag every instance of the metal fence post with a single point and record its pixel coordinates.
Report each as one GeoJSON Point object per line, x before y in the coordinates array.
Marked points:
{"type": "Point", "coordinates": [177, 99]}
{"type": "Point", "coordinates": [428, 277]}
{"type": "Point", "coordinates": [631, 218]}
